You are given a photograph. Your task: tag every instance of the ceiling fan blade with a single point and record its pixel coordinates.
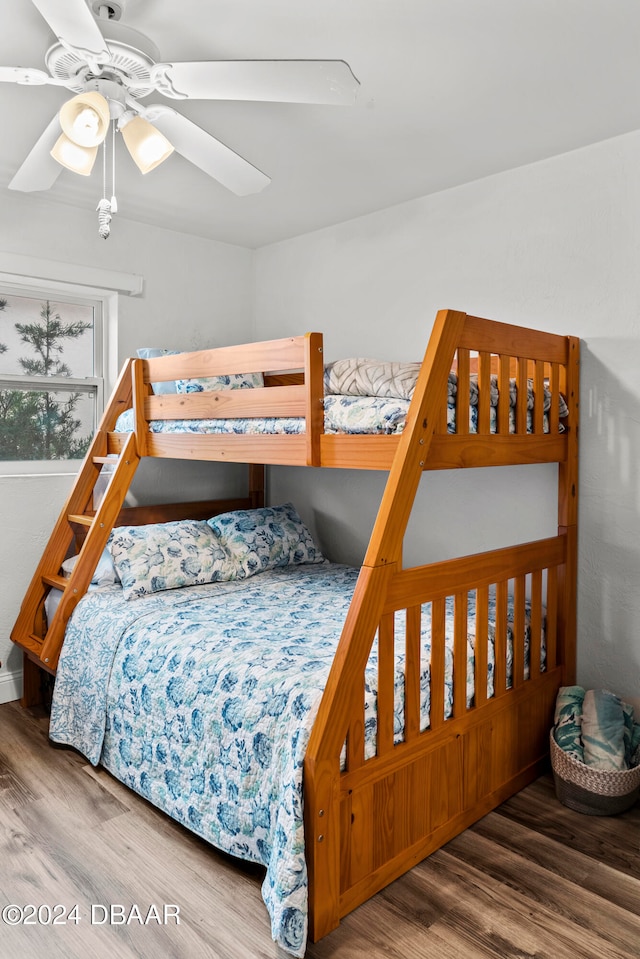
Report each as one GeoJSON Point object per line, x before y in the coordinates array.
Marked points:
{"type": "Point", "coordinates": [203, 150]}
{"type": "Point", "coordinates": [25, 75]}
{"type": "Point", "coordinates": [39, 171]}
{"type": "Point", "coordinates": [75, 27]}
{"type": "Point", "coordinates": [284, 81]}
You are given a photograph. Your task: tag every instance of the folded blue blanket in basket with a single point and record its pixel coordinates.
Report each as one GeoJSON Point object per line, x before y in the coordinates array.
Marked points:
{"type": "Point", "coordinates": [568, 721]}
{"type": "Point", "coordinates": [603, 730]}
{"type": "Point", "coordinates": [597, 728]}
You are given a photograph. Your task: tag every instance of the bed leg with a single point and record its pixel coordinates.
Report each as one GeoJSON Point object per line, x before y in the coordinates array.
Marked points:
{"type": "Point", "coordinates": [256, 484]}
{"type": "Point", "coordinates": [31, 683]}
{"type": "Point", "coordinates": [322, 842]}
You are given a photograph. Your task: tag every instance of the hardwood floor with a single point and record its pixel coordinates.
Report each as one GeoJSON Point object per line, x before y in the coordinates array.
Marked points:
{"type": "Point", "coordinates": [532, 880]}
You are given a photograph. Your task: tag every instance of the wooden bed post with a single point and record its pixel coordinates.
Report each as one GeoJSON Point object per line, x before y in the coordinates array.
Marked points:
{"type": "Point", "coordinates": [321, 769]}
{"type": "Point", "coordinates": [139, 391]}
{"type": "Point", "coordinates": [568, 519]}
{"type": "Point", "coordinates": [256, 484]}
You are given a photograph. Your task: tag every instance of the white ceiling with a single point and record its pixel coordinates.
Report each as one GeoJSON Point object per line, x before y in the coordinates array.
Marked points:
{"type": "Point", "coordinates": [451, 90]}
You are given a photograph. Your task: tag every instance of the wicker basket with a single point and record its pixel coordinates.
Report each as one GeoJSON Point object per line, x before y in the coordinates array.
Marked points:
{"type": "Point", "coordinates": [596, 792]}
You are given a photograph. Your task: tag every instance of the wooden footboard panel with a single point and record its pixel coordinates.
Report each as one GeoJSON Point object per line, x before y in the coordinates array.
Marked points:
{"type": "Point", "coordinates": [394, 814]}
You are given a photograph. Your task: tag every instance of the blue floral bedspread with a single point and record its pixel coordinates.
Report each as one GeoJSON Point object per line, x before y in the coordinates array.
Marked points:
{"type": "Point", "coordinates": [202, 701]}
{"type": "Point", "coordinates": [342, 414]}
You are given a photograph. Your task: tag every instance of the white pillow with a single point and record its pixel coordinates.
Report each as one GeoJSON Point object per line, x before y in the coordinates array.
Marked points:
{"type": "Point", "coordinates": [105, 573]}
{"type": "Point", "coordinates": [149, 352]}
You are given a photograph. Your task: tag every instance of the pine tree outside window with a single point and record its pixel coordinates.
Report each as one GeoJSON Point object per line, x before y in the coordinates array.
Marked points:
{"type": "Point", "coordinates": [51, 377]}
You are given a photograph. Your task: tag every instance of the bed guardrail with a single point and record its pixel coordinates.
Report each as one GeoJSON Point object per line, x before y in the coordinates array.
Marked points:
{"type": "Point", "coordinates": [293, 373]}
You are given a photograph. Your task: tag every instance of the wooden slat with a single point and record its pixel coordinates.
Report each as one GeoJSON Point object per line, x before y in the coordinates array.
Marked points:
{"type": "Point", "coordinates": [484, 393]}
{"type": "Point", "coordinates": [522, 397]}
{"type": "Point", "coordinates": [538, 392]}
{"type": "Point", "coordinates": [460, 616]}
{"type": "Point", "coordinates": [270, 355]}
{"type": "Point", "coordinates": [436, 686]}
{"type": "Point", "coordinates": [442, 413]}
{"type": "Point", "coordinates": [412, 673]}
{"type": "Point", "coordinates": [278, 401]}
{"type": "Point", "coordinates": [504, 395]}
{"type": "Point", "coordinates": [481, 641]}
{"type": "Point", "coordinates": [58, 582]}
{"type": "Point", "coordinates": [462, 394]}
{"type": "Point", "coordinates": [81, 519]}
{"type": "Point", "coordinates": [500, 640]}
{"type": "Point", "coordinates": [554, 388]}
{"type": "Point", "coordinates": [386, 685]}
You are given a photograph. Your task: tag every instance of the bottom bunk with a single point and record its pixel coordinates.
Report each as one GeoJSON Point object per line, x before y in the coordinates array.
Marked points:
{"type": "Point", "coordinates": [199, 687]}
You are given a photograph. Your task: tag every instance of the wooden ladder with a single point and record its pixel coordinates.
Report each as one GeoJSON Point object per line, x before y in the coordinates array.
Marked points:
{"type": "Point", "coordinates": [82, 523]}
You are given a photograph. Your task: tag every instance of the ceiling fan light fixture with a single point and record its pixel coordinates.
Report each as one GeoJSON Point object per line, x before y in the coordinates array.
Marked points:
{"type": "Point", "coordinates": [77, 158]}
{"type": "Point", "coordinates": [85, 119]}
{"type": "Point", "coordinates": [147, 146]}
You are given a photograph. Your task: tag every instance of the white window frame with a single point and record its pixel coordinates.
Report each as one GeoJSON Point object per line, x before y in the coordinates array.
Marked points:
{"type": "Point", "coordinates": [105, 303]}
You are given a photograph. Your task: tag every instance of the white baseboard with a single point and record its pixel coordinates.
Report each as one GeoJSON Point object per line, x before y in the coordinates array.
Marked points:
{"type": "Point", "coordinates": [10, 686]}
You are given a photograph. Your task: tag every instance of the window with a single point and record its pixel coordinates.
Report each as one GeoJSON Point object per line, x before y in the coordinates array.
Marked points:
{"type": "Point", "coordinates": [52, 372]}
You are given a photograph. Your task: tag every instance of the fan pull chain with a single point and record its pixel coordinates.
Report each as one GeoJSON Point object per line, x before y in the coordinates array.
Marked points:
{"type": "Point", "coordinates": [114, 202]}
{"type": "Point", "coordinates": [106, 208]}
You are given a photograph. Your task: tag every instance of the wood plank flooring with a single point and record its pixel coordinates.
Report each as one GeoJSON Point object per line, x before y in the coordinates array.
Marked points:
{"type": "Point", "coordinates": [532, 880]}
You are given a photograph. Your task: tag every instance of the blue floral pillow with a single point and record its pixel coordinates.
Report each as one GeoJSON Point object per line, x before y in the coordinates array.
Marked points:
{"type": "Point", "coordinates": [259, 539]}
{"type": "Point", "coordinates": [161, 556]}
{"type": "Point", "coordinates": [230, 381]}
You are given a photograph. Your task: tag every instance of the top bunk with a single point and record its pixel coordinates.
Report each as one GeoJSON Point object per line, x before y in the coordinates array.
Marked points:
{"type": "Point", "coordinates": [485, 394]}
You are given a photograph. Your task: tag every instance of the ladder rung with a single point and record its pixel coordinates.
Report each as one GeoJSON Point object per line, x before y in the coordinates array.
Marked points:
{"type": "Point", "coordinates": [82, 519]}
{"type": "Point", "coordinates": [51, 579]}
{"type": "Point", "coordinates": [105, 459]}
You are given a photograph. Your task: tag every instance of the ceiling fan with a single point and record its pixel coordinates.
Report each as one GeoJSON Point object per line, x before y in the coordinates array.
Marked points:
{"type": "Point", "coordinates": [111, 68]}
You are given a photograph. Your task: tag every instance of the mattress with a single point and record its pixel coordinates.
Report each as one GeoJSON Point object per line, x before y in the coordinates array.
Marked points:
{"type": "Point", "coordinates": [354, 414]}
{"type": "Point", "coordinates": [202, 701]}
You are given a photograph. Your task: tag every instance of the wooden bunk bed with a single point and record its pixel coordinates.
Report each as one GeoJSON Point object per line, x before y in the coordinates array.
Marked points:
{"type": "Point", "coordinates": [369, 818]}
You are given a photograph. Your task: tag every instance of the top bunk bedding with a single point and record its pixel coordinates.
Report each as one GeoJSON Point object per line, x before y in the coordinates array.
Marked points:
{"type": "Point", "coordinates": [361, 396]}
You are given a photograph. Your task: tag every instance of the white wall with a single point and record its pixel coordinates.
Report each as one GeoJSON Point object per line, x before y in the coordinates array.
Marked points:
{"type": "Point", "coordinates": [197, 293]}
{"type": "Point", "coordinates": [554, 245]}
